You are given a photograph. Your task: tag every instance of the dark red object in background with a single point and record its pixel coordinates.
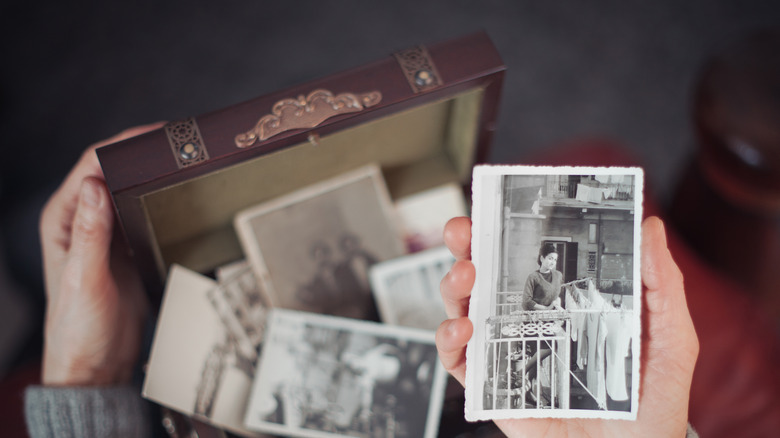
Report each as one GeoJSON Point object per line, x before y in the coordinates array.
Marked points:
{"type": "Point", "coordinates": [736, 386]}
{"type": "Point", "coordinates": [727, 205]}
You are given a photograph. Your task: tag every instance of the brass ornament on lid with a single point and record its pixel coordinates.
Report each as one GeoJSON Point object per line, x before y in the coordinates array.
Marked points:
{"type": "Point", "coordinates": [306, 112]}
{"type": "Point", "coordinates": [186, 142]}
{"type": "Point", "coordinates": [419, 69]}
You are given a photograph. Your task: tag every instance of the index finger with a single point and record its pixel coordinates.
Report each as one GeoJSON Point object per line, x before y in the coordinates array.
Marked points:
{"type": "Point", "coordinates": [457, 237]}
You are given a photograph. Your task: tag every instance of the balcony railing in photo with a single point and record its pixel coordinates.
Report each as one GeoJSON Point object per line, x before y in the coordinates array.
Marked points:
{"type": "Point", "coordinates": [529, 360]}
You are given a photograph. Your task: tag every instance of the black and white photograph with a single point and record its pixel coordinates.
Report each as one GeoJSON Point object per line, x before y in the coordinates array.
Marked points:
{"type": "Point", "coordinates": [324, 376]}
{"type": "Point", "coordinates": [311, 249]}
{"type": "Point", "coordinates": [406, 289]}
{"type": "Point", "coordinates": [557, 298]}
{"type": "Point", "coordinates": [196, 366]}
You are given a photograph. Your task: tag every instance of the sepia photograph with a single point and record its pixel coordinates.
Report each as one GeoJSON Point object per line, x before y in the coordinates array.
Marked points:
{"type": "Point", "coordinates": [196, 366]}
{"type": "Point", "coordinates": [424, 214]}
{"type": "Point", "coordinates": [239, 303]}
{"type": "Point", "coordinates": [311, 249]}
{"type": "Point", "coordinates": [324, 376]}
{"type": "Point", "coordinates": [557, 298]}
{"type": "Point", "coordinates": [406, 289]}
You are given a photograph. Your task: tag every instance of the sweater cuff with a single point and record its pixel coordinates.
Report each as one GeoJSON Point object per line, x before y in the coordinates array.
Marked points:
{"type": "Point", "coordinates": [86, 412]}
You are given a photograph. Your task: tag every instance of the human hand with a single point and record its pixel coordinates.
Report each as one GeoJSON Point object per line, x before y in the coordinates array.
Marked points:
{"type": "Point", "coordinates": [95, 301]}
{"type": "Point", "coordinates": [669, 343]}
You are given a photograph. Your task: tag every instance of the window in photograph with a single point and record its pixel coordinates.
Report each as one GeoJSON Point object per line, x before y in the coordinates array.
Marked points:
{"type": "Point", "coordinates": [592, 261]}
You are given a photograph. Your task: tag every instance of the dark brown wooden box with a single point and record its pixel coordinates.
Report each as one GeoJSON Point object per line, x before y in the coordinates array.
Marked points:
{"type": "Point", "coordinates": [425, 115]}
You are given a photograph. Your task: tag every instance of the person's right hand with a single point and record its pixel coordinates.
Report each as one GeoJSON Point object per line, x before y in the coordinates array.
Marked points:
{"type": "Point", "coordinates": [669, 343]}
{"type": "Point", "coordinates": [95, 303]}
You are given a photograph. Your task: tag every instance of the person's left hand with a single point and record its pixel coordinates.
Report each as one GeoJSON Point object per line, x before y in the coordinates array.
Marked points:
{"type": "Point", "coordinates": [95, 302]}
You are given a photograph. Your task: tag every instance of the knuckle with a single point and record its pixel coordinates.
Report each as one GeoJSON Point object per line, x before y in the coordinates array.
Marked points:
{"type": "Point", "coordinates": [84, 229]}
{"type": "Point", "coordinates": [87, 227]}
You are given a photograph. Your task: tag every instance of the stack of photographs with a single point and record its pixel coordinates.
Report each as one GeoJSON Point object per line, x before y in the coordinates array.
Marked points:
{"type": "Point", "coordinates": [313, 253]}
{"type": "Point", "coordinates": [557, 299]}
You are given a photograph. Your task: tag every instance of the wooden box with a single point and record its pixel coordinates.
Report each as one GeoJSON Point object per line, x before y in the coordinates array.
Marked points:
{"type": "Point", "coordinates": [425, 115]}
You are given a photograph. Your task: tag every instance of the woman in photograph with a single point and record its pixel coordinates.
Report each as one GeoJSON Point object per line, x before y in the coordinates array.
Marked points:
{"type": "Point", "coordinates": [543, 286]}
{"type": "Point", "coordinates": [542, 292]}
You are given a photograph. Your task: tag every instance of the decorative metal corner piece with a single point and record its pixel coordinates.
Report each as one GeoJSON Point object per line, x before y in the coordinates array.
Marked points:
{"type": "Point", "coordinates": [419, 68]}
{"type": "Point", "coordinates": [186, 142]}
{"type": "Point", "coordinates": [306, 112]}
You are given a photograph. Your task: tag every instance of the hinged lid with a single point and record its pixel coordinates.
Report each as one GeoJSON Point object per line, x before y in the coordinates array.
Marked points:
{"type": "Point", "coordinates": [425, 115]}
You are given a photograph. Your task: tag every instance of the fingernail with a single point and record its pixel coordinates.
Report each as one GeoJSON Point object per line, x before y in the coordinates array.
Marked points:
{"type": "Point", "coordinates": [90, 194]}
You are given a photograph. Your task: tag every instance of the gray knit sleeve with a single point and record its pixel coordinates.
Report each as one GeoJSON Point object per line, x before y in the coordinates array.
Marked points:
{"type": "Point", "coordinates": [117, 411]}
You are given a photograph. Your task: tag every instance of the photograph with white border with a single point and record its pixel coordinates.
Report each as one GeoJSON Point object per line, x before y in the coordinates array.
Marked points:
{"type": "Point", "coordinates": [324, 376]}
{"type": "Point", "coordinates": [239, 302]}
{"type": "Point", "coordinates": [311, 249]}
{"type": "Point", "coordinates": [556, 303]}
{"type": "Point", "coordinates": [406, 289]}
{"type": "Point", "coordinates": [196, 366]}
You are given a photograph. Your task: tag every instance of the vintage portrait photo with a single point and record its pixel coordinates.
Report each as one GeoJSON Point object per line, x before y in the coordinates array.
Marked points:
{"type": "Point", "coordinates": [196, 365]}
{"type": "Point", "coordinates": [311, 249]}
{"type": "Point", "coordinates": [557, 298]}
{"type": "Point", "coordinates": [323, 376]}
{"type": "Point", "coordinates": [406, 289]}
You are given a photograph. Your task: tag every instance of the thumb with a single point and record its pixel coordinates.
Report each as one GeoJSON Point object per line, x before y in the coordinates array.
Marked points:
{"type": "Point", "coordinates": [669, 346]}
{"type": "Point", "coordinates": [669, 321]}
{"type": "Point", "coordinates": [92, 228]}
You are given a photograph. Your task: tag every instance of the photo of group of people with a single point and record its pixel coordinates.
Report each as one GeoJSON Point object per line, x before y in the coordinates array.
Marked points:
{"type": "Point", "coordinates": [339, 284]}
{"type": "Point", "coordinates": [311, 249]}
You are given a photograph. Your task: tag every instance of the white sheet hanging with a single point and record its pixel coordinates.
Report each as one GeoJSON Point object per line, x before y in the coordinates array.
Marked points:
{"type": "Point", "coordinates": [617, 348]}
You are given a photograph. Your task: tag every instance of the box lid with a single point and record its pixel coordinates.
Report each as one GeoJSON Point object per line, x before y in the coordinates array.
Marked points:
{"type": "Point", "coordinates": [425, 115]}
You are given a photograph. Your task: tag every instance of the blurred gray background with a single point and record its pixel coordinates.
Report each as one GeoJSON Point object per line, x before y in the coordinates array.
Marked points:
{"type": "Point", "coordinates": [73, 75]}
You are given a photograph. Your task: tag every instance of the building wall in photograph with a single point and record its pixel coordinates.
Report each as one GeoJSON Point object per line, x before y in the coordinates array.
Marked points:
{"type": "Point", "coordinates": [524, 236]}
{"type": "Point", "coordinates": [612, 246]}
